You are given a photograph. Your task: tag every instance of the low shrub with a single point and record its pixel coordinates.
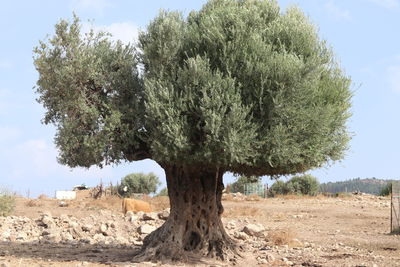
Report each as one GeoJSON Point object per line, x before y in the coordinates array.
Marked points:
{"type": "Point", "coordinates": [33, 203]}
{"type": "Point", "coordinates": [7, 202]}
{"type": "Point", "coordinates": [297, 185]}
{"type": "Point", "coordinates": [303, 185]}
{"type": "Point", "coordinates": [278, 188]}
{"type": "Point", "coordinates": [282, 237]}
{"type": "Point", "coordinates": [387, 190]}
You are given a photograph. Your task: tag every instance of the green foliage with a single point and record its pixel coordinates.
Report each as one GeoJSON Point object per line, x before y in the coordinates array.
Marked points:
{"type": "Point", "coordinates": [303, 185]}
{"type": "Point", "coordinates": [278, 188]}
{"type": "Point", "coordinates": [138, 183]}
{"type": "Point", "coordinates": [163, 192]}
{"type": "Point", "coordinates": [7, 202]}
{"type": "Point", "coordinates": [238, 86]}
{"type": "Point", "coordinates": [387, 190]}
{"type": "Point", "coordinates": [238, 185]}
{"type": "Point", "coordinates": [299, 185]}
{"type": "Point", "coordinates": [368, 185]}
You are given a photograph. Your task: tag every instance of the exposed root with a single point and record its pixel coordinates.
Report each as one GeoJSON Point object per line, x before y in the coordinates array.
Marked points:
{"type": "Point", "coordinates": [193, 231]}
{"type": "Point", "coordinates": [163, 245]}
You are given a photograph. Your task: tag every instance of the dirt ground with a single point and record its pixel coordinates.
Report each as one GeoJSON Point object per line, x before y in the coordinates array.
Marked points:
{"type": "Point", "coordinates": [300, 231]}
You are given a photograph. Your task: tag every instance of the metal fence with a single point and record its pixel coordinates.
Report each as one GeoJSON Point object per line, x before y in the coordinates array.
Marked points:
{"type": "Point", "coordinates": [395, 208]}
{"type": "Point", "coordinates": [254, 189]}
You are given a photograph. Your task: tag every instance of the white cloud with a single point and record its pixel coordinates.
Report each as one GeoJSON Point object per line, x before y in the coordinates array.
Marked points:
{"type": "Point", "coordinates": [97, 5]}
{"type": "Point", "coordinates": [126, 32]}
{"type": "Point", "coordinates": [393, 75]}
{"type": "Point", "coordinates": [337, 12]}
{"type": "Point", "coordinates": [387, 3]}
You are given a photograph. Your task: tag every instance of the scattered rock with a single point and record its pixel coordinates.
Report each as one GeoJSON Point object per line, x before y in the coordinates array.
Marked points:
{"type": "Point", "coordinates": [163, 215]}
{"type": "Point", "coordinates": [254, 229]}
{"type": "Point", "coordinates": [270, 257]}
{"type": "Point", "coordinates": [146, 229]}
{"type": "Point", "coordinates": [87, 227]}
{"type": "Point", "coordinates": [150, 216]}
{"type": "Point", "coordinates": [48, 221]}
{"type": "Point", "coordinates": [62, 204]}
{"type": "Point", "coordinates": [241, 236]}
{"type": "Point", "coordinates": [129, 214]}
{"type": "Point", "coordinates": [103, 228]}
{"type": "Point", "coordinates": [230, 225]}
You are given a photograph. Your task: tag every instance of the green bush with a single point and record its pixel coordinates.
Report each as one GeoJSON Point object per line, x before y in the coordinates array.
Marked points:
{"type": "Point", "coordinates": [278, 188]}
{"type": "Point", "coordinates": [7, 202]}
{"type": "Point", "coordinates": [303, 185]}
{"type": "Point", "coordinates": [299, 185]}
{"type": "Point", "coordinates": [238, 185]}
{"type": "Point", "coordinates": [138, 183]}
{"type": "Point", "coordinates": [387, 190]}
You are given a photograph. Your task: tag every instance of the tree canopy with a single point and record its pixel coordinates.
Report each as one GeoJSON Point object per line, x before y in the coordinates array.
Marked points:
{"type": "Point", "coordinates": [238, 85]}
{"type": "Point", "coordinates": [138, 183]}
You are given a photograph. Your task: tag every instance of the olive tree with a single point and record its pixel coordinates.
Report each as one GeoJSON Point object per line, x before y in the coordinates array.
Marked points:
{"type": "Point", "coordinates": [237, 86]}
{"type": "Point", "coordinates": [138, 183]}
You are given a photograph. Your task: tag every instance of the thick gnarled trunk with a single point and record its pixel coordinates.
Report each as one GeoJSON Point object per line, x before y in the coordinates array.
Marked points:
{"type": "Point", "coordinates": [194, 228]}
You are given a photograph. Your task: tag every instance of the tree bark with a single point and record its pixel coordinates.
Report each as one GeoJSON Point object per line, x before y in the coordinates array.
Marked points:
{"type": "Point", "coordinates": [194, 228]}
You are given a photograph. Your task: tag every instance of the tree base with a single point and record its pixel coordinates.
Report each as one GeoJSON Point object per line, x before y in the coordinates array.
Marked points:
{"type": "Point", "coordinates": [165, 245]}
{"type": "Point", "coordinates": [194, 230]}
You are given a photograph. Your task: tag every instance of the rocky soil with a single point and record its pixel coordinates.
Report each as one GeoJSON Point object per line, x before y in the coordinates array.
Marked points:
{"type": "Point", "coordinates": [274, 232]}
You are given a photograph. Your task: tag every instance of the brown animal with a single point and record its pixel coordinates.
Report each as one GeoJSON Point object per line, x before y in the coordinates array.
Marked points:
{"type": "Point", "coordinates": [129, 204]}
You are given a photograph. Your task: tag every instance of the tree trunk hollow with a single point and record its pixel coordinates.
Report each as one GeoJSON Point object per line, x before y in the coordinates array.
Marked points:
{"type": "Point", "coordinates": [194, 229]}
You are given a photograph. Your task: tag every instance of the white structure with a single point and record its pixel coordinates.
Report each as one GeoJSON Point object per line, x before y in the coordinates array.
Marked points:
{"type": "Point", "coordinates": [65, 194]}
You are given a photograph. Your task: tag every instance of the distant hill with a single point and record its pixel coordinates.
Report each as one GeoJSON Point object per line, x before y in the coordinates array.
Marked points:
{"type": "Point", "coordinates": [367, 185]}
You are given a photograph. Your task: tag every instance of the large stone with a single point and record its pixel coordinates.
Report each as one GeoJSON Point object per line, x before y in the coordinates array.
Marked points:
{"type": "Point", "coordinates": [150, 216]}
{"type": "Point", "coordinates": [129, 213]}
{"type": "Point", "coordinates": [231, 225]}
{"type": "Point", "coordinates": [48, 221]}
{"type": "Point", "coordinates": [254, 229]}
{"type": "Point", "coordinates": [87, 227]}
{"type": "Point", "coordinates": [163, 215]}
{"type": "Point", "coordinates": [146, 229]}
{"type": "Point", "coordinates": [103, 228]}
{"type": "Point", "coordinates": [67, 237]}
{"type": "Point", "coordinates": [241, 236]}
{"type": "Point", "coordinates": [270, 257]}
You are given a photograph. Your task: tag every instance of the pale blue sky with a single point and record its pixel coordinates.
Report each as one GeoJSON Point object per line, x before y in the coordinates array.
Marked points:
{"type": "Point", "coordinates": [364, 35]}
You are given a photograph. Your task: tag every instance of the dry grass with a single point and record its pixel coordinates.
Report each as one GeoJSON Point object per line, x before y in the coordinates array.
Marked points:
{"type": "Point", "coordinates": [287, 197]}
{"type": "Point", "coordinates": [43, 196]}
{"type": "Point", "coordinates": [113, 203]}
{"type": "Point", "coordinates": [232, 197]}
{"type": "Point", "coordinates": [33, 203]}
{"type": "Point", "coordinates": [279, 217]}
{"type": "Point", "coordinates": [283, 237]}
{"type": "Point", "coordinates": [253, 197]}
{"type": "Point", "coordinates": [158, 203]}
{"type": "Point", "coordinates": [227, 197]}
{"type": "Point", "coordinates": [241, 212]}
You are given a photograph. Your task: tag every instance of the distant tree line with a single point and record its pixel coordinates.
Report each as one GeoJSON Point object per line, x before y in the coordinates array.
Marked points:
{"type": "Point", "coordinates": [368, 185]}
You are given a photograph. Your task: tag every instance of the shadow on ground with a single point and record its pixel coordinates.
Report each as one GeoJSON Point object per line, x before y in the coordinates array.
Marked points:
{"type": "Point", "coordinates": [69, 252]}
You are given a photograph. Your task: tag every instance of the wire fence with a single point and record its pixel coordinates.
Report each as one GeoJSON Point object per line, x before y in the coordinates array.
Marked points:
{"type": "Point", "coordinates": [254, 189]}
{"type": "Point", "coordinates": [395, 208]}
